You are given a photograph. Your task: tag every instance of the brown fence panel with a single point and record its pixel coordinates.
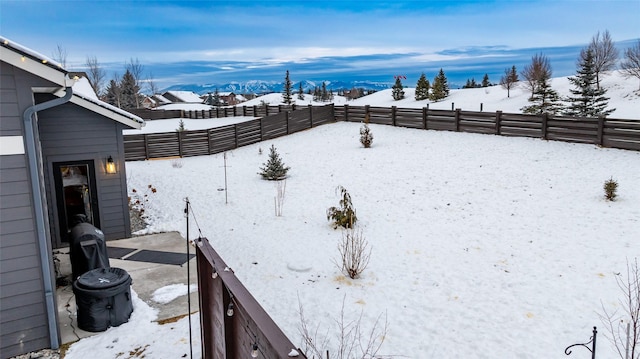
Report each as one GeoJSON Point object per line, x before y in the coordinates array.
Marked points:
{"type": "Point", "coordinates": [477, 122]}
{"type": "Point", "coordinates": [274, 126]}
{"type": "Point", "coordinates": [441, 120]}
{"type": "Point", "coordinates": [409, 117]}
{"type": "Point", "coordinates": [623, 134]}
{"type": "Point", "coordinates": [134, 148]}
{"type": "Point", "coordinates": [194, 143]}
{"type": "Point", "coordinates": [340, 113]}
{"type": "Point", "coordinates": [380, 115]}
{"type": "Point", "coordinates": [249, 132]}
{"type": "Point", "coordinates": [299, 120]}
{"type": "Point", "coordinates": [356, 113]}
{"type": "Point", "coordinates": [163, 145]}
{"type": "Point", "coordinates": [233, 336]}
{"type": "Point", "coordinates": [572, 129]}
{"type": "Point", "coordinates": [322, 115]}
{"type": "Point", "coordinates": [520, 125]}
{"type": "Point", "coordinates": [222, 139]}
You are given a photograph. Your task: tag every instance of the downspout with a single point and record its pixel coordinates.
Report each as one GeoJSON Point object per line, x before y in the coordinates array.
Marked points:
{"type": "Point", "coordinates": [30, 126]}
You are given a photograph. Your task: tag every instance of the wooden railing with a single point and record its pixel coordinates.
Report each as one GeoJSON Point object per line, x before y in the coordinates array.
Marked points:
{"type": "Point", "coordinates": [247, 327]}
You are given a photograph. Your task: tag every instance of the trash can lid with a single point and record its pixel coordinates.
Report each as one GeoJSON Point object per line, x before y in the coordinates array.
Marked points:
{"type": "Point", "coordinates": [103, 278]}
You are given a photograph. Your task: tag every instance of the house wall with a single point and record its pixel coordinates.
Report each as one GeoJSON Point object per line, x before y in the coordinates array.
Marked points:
{"type": "Point", "coordinates": [72, 133]}
{"type": "Point", "coordinates": [23, 317]}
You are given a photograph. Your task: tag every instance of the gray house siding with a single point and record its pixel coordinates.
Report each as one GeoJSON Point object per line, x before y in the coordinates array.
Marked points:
{"type": "Point", "coordinates": [72, 133]}
{"type": "Point", "coordinates": [23, 317]}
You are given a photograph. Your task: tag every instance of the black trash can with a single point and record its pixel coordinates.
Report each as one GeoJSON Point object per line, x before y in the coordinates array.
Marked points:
{"type": "Point", "coordinates": [88, 249]}
{"type": "Point", "coordinates": [103, 298]}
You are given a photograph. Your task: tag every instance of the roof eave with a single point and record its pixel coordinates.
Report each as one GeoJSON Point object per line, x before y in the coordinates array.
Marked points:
{"type": "Point", "coordinates": [28, 64]}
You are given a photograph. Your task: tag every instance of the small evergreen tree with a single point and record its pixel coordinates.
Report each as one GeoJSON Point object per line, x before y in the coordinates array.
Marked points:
{"type": "Point", "coordinates": [366, 137]}
{"type": "Point", "coordinates": [588, 99]}
{"type": "Point", "coordinates": [274, 169]}
{"type": "Point", "coordinates": [345, 215]}
{"type": "Point", "coordinates": [485, 81]}
{"type": "Point", "coordinates": [440, 87]}
{"type": "Point", "coordinates": [300, 92]}
{"type": "Point", "coordinates": [286, 93]}
{"type": "Point", "coordinates": [397, 90]}
{"type": "Point", "coordinates": [422, 88]}
{"type": "Point", "coordinates": [180, 126]}
{"type": "Point", "coordinates": [544, 99]}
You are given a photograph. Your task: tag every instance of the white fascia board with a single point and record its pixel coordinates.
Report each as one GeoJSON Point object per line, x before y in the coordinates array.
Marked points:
{"type": "Point", "coordinates": [35, 67]}
{"type": "Point", "coordinates": [106, 112]}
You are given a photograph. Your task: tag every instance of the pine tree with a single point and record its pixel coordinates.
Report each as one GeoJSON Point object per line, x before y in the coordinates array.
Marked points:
{"type": "Point", "coordinates": [112, 94]}
{"type": "Point", "coordinates": [129, 91]}
{"type": "Point", "coordinates": [485, 81]}
{"type": "Point", "coordinates": [324, 95]}
{"type": "Point", "coordinates": [440, 87]}
{"type": "Point", "coordinates": [274, 169]}
{"type": "Point", "coordinates": [422, 88]}
{"type": "Point", "coordinates": [508, 81]}
{"type": "Point", "coordinates": [216, 98]}
{"type": "Point", "coordinates": [300, 92]}
{"type": "Point", "coordinates": [397, 90]}
{"type": "Point", "coordinates": [588, 99]}
{"type": "Point", "coordinates": [286, 94]}
{"type": "Point", "coordinates": [544, 98]}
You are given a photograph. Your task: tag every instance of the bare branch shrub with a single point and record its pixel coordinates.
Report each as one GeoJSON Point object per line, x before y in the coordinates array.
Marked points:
{"type": "Point", "coordinates": [624, 328]}
{"type": "Point", "coordinates": [354, 254]}
{"type": "Point", "coordinates": [354, 342]}
{"type": "Point", "coordinates": [281, 187]}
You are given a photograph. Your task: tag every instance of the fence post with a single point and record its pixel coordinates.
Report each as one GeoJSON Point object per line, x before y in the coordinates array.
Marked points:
{"type": "Point", "coordinates": [545, 119]}
{"type": "Point", "coordinates": [600, 138]}
{"type": "Point", "coordinates": [498, 122]}
{"type": "Point", "coordinates": [286, 118]}
{"type": "Point", "coordinates": [244, 110]}
{"type": "Point", "coordinates": [293, 106]}
{"type": "Point", "coordinates": [234, 111]}
{"type": "Point", "coordinates": [180, 142]}
{"type": "Point", "coordinates": [310, 116]}
{"type": "Point", "coordinates": [203, 114]}
{"type": "Point", "coordinates": [393, 115]}
{"type": "Point", "coordinates": [366, 112]}
{"type": "Point", "coordinates": [424, 117]}
{"type": "Point", "coordinates": [255, 110]}
{"type": "Point", "coordinates": [266, 109]}
{"type": "Point", "coordinates": [452, 105]}
{"type": "Point", "coordinates": [346, 113]}
{"type": "Point", "coordinates": [146, 147]}
{"type": "Point", "coordinates": [235, 132]}
{"type": "Point", "coordinates": [457, 119]}
{"type": "Point", "coordinates": [209, 141]}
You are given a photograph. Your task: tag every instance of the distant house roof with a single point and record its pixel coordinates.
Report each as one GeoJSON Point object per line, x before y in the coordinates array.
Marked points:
{"type": "Point", "coordinates": [83, 95]}
{"type": "Point", "coordinates": [161, 100]}
{"type": "Point", "coordinates": [183, 96]}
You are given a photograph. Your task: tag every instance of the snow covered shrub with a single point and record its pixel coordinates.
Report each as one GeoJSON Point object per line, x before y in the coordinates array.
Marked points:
{"type": "Point", "coordinates": [366, 137]}
{"type": "Point", "coordinates": [177, 163]}
{"type": "Point", "coordinates": [354, 254]}
{"type": "Point", "coordinates": [345, 215]}
{"type": "Point", "coordinates": [610, 189]}
{"type": "Point", "coordinates": [274, 169]}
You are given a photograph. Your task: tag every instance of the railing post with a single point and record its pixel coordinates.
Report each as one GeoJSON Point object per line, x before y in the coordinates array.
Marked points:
{"type": "Point", "coordinates": [244, 110]}
{"type": "Point", "coordinates": [346, 113]}
{"type": "Point", "coordinates": [146, 147]}
{"type": "Point", "coordinates": [180, 142]}
{"type": "Point", "coordinates": [498, 122]}
{"type": "Point", "coordinates": [366, 112]}
{"type": "Point", "coordinates": [545, 121]}
{"type": "Point", "coordinates": [310, 116]}
{"type": "Point", "coordinates": [266, 109]}
{"type": "Point", "coordinates": [286, 119]}
{"type": "Point", "coordinates": [457, 119]}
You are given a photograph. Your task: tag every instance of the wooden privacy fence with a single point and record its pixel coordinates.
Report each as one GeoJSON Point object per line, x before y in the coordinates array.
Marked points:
{"type": "Point", "coordinates": [606, 132]}
{"type": "Point", "coordinates": [236, 333]}
{"type": "Point", "coordinates": [225, 138]}
{"type": "Point", "coordinates": [215, 112]}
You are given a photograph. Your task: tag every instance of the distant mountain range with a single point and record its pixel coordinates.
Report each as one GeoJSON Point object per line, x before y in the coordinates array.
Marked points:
{"type": "Point", "coordinates": [262, 87]}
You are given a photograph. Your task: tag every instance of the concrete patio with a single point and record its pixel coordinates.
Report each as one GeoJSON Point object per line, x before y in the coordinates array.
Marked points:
{"type": "Point", "coordinates": [147, 278]}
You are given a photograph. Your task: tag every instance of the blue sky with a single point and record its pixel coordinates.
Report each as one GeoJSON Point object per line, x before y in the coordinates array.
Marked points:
{"type": "Point", "coordinates": [223, 41]}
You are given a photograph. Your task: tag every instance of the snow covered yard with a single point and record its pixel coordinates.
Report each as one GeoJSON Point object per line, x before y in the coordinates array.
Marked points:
{"type": "Point", "coordinates": [482, 246]}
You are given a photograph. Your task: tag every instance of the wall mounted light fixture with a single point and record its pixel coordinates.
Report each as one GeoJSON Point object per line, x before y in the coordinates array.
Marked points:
{"type": "Point", "coordinates": [111, 166]}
